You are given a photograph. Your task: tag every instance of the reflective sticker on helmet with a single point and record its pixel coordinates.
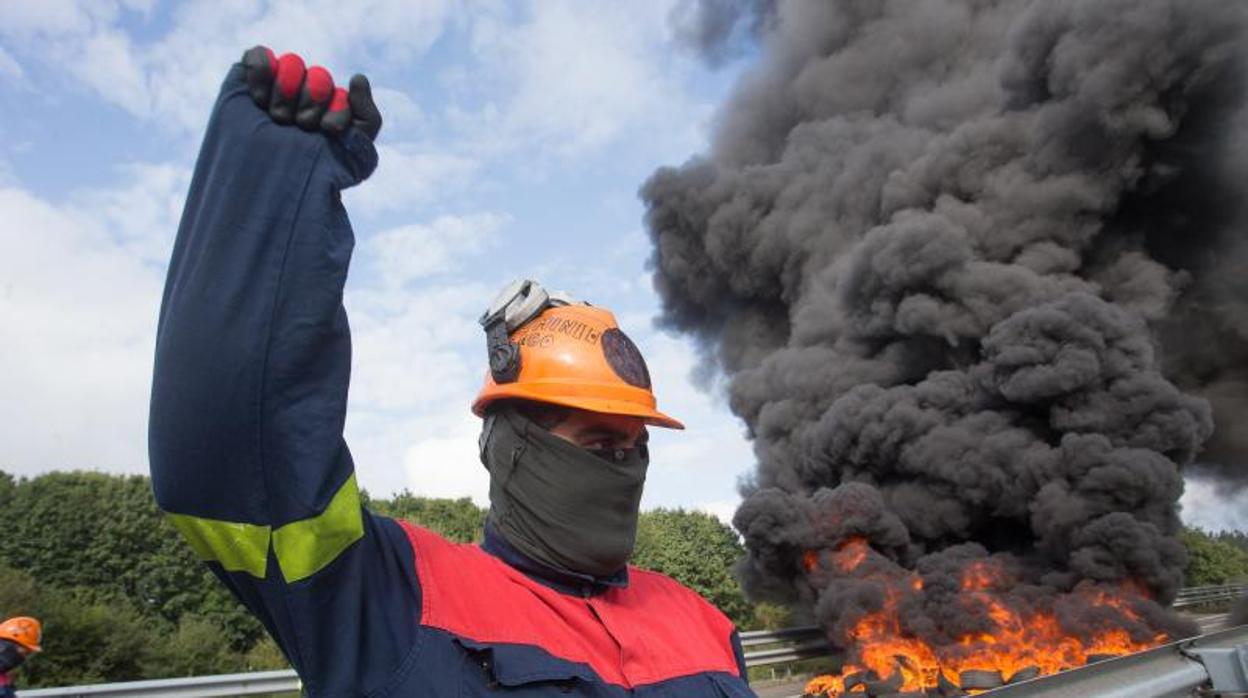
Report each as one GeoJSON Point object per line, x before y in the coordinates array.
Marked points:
{"type": "Point", "coordinates": [624, 358]}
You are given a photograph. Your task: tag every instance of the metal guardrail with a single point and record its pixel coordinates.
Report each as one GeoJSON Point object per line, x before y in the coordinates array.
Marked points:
{"type": "Point", "coordinates": [762, 648]}
{"type": "Point", "coordinates": [795, 644]}
{"type": "Point", "coordinates": [248, 684]}
{"type": "Point", "coordinates": [1210, 665]}
{"type": "Point", "coordinates": [1193, 596]}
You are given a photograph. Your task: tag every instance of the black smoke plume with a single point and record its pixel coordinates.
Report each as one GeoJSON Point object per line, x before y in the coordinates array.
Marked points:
{"type": "Point", "coordinates": [975, 271]}
{"type": "Point", "coordinates": [718, 30]}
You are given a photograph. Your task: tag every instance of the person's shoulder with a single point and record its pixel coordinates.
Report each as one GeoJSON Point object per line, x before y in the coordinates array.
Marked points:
{"type": "Point", "coordinates": [656, 584]}
{"type": "Point", "coordinates": [420, 536]}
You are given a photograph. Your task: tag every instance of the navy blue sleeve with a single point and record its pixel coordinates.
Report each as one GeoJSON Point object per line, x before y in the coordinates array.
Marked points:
{"type": "Point", "coordinates": [253, 358]}
{"type": "Point", "coordinates": [739, 651]}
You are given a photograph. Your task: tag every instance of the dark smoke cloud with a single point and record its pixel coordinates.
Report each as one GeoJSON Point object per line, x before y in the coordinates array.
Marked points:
{"type": "Point", "coordinates": [975, 271]}
{"type": "Point", "coordinates": [719, 30]}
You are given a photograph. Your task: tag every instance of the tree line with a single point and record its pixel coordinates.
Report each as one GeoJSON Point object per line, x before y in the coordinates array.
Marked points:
{"type": "Point", "coordinates": [122, 597]}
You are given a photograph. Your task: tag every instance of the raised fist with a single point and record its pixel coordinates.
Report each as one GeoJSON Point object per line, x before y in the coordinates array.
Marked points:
{"type": "Point", "coordinates": [293, 94]}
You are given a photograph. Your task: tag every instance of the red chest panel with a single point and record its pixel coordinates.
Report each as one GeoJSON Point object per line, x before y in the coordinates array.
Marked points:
{"type": "Point", "coordinates": [652, 631]}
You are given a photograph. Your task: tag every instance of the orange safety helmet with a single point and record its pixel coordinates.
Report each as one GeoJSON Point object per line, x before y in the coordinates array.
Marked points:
{"type": "Point", "coordinates": [577, 356]}
{"type": "Point", "coordinates": [23, 630]}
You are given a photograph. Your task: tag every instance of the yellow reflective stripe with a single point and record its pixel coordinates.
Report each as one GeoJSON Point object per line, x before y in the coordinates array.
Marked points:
{"type": "Point", "coordinates": [239, 547]}
{"type": "Point", "coordinates": [304, 547]}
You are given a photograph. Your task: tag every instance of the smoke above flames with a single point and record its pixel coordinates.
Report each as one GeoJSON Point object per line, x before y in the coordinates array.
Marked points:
{"type": "Point", "coordinates": [977, 277]}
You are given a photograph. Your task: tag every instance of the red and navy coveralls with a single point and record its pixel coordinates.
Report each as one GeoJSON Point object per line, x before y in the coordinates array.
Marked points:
{"type": "Point", "coordinates": [10, 658]}
{"type": "Point", "coordinates": [249, 396]}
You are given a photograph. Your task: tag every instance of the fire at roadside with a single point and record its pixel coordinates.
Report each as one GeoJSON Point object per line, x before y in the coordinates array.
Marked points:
{"type": "Point", "coordinates": [1020, 636]}
{"type": "Point", "coordinates": [969, 270]}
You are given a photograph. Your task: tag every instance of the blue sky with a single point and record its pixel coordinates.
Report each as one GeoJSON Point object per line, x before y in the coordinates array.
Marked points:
{"type": "Point", "coordinates": [516, 135]}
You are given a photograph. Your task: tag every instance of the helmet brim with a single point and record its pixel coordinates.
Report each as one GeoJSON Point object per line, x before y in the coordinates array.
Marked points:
{"type": "Point", "coordinates": [652, 416]}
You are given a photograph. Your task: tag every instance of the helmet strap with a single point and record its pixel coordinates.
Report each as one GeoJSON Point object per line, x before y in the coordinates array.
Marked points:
{"type": "Point", "coordinates": [504, 355]}
{"type": "Point", "coordinates": [520, 301]}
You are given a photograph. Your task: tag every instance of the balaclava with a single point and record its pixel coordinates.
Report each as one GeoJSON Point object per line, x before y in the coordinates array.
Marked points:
{"type": "Point", "coordinates": [568, 507]}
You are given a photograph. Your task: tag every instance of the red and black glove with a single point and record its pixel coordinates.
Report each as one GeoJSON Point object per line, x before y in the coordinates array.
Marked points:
{"type": "Point", "coordinates": [293, 94]}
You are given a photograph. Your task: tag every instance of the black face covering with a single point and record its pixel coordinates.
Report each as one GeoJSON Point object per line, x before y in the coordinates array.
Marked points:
{"type": "Point", "coordinates": [568, 507]}
{"type": "Point", "coordinates": [10, 656]}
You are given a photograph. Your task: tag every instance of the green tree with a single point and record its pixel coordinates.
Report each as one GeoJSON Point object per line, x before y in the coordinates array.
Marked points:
{"type": "Point", "coordinates": [83, 641]}
{"type": "Point", "coordinates": [457, 519]}
{"type": "Point", "coordinates": [7, 487]}
{"type": "Point", "coordinates": [1212, 561]}
{"type": "Point", "coordinates": [265, 655]}
{"type": "Point", "coordinates": [697, 550]}
{"type": "Point", "coordinates": [770, 616]}
{"type": "Point", "coordinates": [19, 594]}
{"type": "Point", "coordinates": [1239, 539]}
{"type": "Point", "coordinates": [123, 598]}
{"type": "Point", "coordinates": [90, 641]}
{"type": "Point", "coordinates": [195, 648]}
{"type": "Point", "coordinates": [103, 536]}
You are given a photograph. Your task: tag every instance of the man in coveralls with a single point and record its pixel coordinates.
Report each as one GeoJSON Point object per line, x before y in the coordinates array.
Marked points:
{"type": "Point", "coordinates": [248, 458]}
{"type": "Point", "coordinates": [20, 637]}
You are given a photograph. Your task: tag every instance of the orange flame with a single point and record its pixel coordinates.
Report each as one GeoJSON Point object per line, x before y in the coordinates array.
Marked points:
{"type": "Point", "coordinates": [810, 560]}
{"type": "Point", "coordinates": [851, 553]}
{"type": "Point", "coordinates": [1017, 639]}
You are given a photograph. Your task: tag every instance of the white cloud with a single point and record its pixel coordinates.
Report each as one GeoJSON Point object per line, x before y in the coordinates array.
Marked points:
{"type": "Point", "coordinates": [445, 463]}
{"type": "Point", "coordinates": [106, 62]}
{"type": "Point", "coordinates": [431, 453]}
{"type": "Point", "coordinates": [52, 17]}
{"type": "Point", "coordinates": [1206, 506]}
{"type": "Point", "coordinates": [79, 314]}
{"type": "Point", "coordinates": [723, 509]}
{"type": "Point", "coordinates": [412, 252]}
{"type": "Point", "coordinates": [142, 7]}
{"type": "Point", "coordinates": [400, 112]}
{"type": "Point", "coordinates": [701, 465]}
{"type": "Point", "coordinates": [9, 67]}
{"type": "Point", "coordinates": [408, 176]}
{"type": "Point", "coordinates": [418, 359]}
{"type": "Point", "coordinates": [172, 80]}
{"type": "Point", "coordinates": [412, 348]}
{"type": "Point", "coordinates": [7, 178]}
{"type": "Point", "coordinates": [142, 217]}
{"type": "Point", "coordinates": [82, 40]}
{"type": "Point", "coordinates": [80, 285]}
{"type": "Point", "coordinates": [572, 77]}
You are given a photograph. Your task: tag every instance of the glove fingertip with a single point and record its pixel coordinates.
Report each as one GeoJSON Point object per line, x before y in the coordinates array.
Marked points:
{"type": "Point", "coordinates": [259, 67]}
{"type": "Point", "coordinates": [367, 116]}
{"type": "Point", "coordinates": [361, 90]}
{"type": "Point", "coordinates": [318, 88]}
{"type": "Point", "coordinates": [339, 101]}
{"type": "Point", "coordinates": [318, 84]}
{"type": "Point", "coordinates": [290, 72]}
{"type": "Point", "coordinates": [259, 56]}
